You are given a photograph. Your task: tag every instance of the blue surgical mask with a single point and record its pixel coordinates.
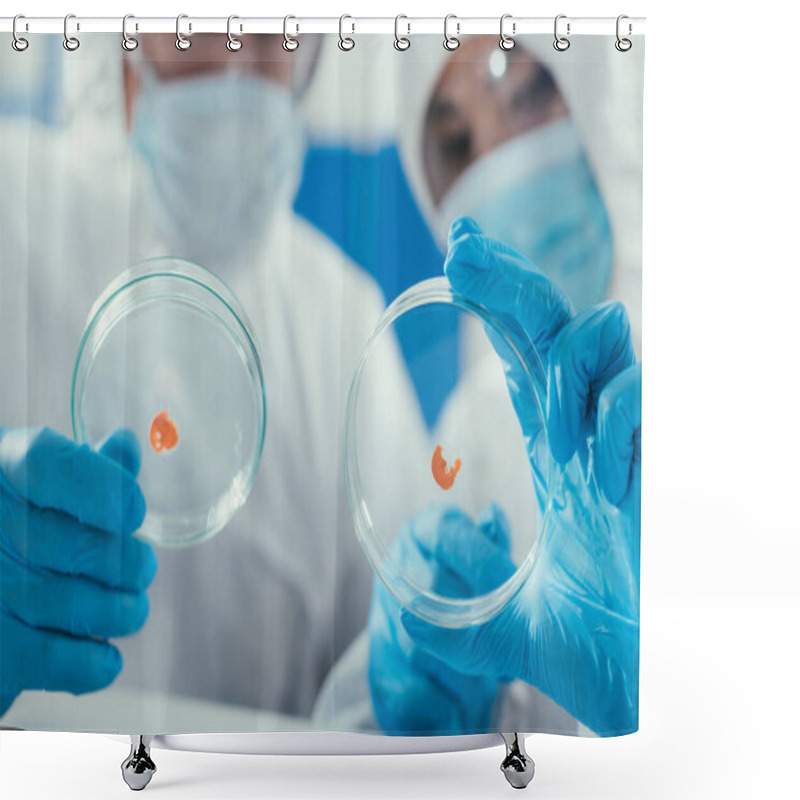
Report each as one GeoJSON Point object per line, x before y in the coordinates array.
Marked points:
{"type": "Point", "coordinates": [222, 148]}
{"type": "Point", "coordinates": [536, 193]}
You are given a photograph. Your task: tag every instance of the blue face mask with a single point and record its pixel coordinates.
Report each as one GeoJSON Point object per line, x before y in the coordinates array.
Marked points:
{"type": "Point", "coordinates": [221, 148]}
{"type": "Point", "coordinates": [536, 193]}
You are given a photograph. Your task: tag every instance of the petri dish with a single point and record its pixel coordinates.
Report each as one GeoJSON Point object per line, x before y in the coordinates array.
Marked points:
{"type": "Point", "coordinates": [168, 353]}
{"type": "Point", "coordinates": [391, 457]}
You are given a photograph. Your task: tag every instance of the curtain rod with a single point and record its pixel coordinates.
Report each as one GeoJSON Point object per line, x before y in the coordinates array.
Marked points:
{"type": "Point", "coordinates": [461, 26]}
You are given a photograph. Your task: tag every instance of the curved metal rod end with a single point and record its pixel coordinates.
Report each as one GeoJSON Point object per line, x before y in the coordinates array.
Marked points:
{"type": "Point", "coordinates": [138, 768]}
{"type": "Point", "coordinates": [517, 766]}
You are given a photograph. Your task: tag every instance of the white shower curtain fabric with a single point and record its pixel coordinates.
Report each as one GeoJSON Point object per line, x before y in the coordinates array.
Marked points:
{"type": "Point", "coordinates": [318, 186]}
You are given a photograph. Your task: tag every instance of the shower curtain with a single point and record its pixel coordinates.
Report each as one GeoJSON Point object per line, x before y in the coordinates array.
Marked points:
{"type": "Point", "coordinates": [425, 555]}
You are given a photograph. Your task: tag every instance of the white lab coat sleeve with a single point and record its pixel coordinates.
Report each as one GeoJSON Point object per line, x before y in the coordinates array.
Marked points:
{"type": "Point", "coordinates": [520, 706]}
{"type": "Point", "coordinates": [361, 304]}
{"type": "Point", "coordinates": [344, 702]}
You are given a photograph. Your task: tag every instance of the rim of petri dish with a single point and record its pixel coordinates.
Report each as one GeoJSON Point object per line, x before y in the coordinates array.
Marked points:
{"type": "Point", "coordinates": [443, 611]}
{"type": "Point", "coordinates": [107, 312]}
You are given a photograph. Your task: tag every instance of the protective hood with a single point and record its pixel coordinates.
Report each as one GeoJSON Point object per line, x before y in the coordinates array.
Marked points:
{"type": "Point", "coordinates": [603, 91]}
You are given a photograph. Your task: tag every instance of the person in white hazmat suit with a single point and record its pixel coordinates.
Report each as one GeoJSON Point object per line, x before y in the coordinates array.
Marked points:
{"type": "Point", "coordinates": [525, 143]}
{"type": "Point", "coordinates": [206, 170]}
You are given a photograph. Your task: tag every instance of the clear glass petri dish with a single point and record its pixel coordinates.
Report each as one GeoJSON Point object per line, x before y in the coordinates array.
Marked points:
{"type": "Point", "coordinates": [395, 480]}
{"type": "Point", "coordinates": [168, 353]}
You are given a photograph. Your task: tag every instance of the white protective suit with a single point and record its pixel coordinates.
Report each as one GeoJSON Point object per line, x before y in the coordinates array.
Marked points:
{"type": "Point", "coordinates": [257, 615]}
{"type": "Point", "coordinates": [601, 96]}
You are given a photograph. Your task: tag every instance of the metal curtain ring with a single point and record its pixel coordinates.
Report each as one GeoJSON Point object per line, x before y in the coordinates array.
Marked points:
{"type": "Point", "coordinates": [129, 43]}
{"type": "Point", "coordinates": [290, 43]}
{"type": "Point", "coordinates": [561, 43]}
{"type": "Point", "coordinates": [401, 42]}
{"type": "Point", "coordinates": [507, 42]}
{"type": "Point", "coordinates": [451, 42]}
{"type": "Point", "coordinates": [71, 43]}
{"type": "Point", "coordinates": [181, 42]}
{"type": "Point", "coordinates": [623, 45]}
{"type": "Point", "coordinates": [233, 44]}
{"type": "Point", "coordinates": [18, 43]}
{"type": "Point", "coordinates": [345, 42]}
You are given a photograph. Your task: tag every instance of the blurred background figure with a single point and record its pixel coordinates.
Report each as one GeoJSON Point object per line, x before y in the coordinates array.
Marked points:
{"type": "Point", "coordinates": [520, 141]}
{"type": "Point", "coordinates": [499, 144]}
{"type": "Point", "coordinates": [200, 157]}
{"type": "Point", "coordinates": [545, 139]}
{"type": "Point", "coordinates": [527, 143]}
{"type": "Point", "coordinates": [222, 136]}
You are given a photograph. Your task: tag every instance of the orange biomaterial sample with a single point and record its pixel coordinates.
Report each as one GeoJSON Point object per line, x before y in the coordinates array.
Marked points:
{"type": "Point", "coordinates": [163, 433]}
{"type": "Point", "coordinates": [443, 476]}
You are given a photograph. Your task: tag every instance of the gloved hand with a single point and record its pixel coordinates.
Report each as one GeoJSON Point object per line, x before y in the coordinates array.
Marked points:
{"type": "Point", "coordinates": [71, 574]}
{"type": "Point", "coordinates": [572, 630]}
{"type": "Point", "coordinates": [414, 692]}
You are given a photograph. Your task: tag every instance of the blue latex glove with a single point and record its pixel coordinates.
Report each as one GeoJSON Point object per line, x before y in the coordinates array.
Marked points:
{"type": "Point", "coordinates": [71, 574]}
{"type": "Point", "coordinates": [572, 630]}
{"type": "Point", "coordinates": [414, 692]}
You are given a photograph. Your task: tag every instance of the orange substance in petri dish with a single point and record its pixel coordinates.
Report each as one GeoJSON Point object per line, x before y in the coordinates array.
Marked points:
{"type": "Point", "coordinates": [443, 476]}
{"type": "Point", "coordinates": [163, 433]}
